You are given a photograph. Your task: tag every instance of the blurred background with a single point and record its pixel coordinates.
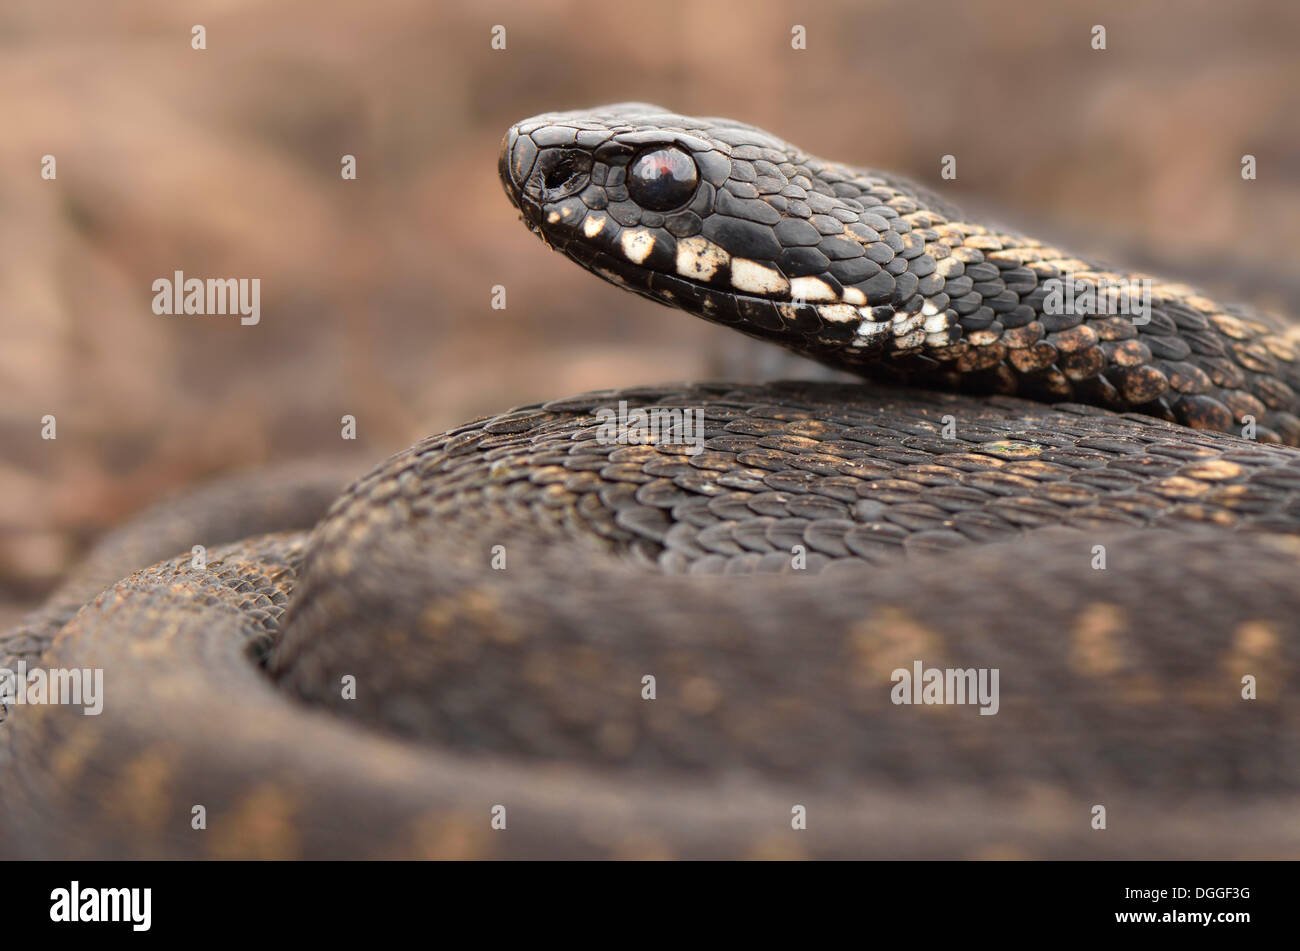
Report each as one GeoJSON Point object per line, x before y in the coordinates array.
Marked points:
{"type": "Point", "coordinates": [376, 292]}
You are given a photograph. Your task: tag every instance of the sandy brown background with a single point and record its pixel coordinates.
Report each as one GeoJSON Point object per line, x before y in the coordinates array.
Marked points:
{"type": "Point", "coordinates": [375, 292]}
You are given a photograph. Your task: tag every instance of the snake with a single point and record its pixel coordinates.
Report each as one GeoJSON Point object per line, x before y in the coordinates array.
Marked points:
{"type": "Point", "coordinates": [559, 632]}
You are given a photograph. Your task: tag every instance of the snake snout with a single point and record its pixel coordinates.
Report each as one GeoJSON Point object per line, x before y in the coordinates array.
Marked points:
{"type": "Point", "coordinates": [514, 165]}
{"type": "Point", "coordinates": [536, 177]}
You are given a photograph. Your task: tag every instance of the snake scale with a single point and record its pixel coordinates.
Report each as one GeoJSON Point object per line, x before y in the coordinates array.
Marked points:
{"type": "Point", "coordinates": [565, 645]}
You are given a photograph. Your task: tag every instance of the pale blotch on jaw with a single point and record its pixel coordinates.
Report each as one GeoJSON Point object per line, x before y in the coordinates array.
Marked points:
{"type": "Point", "coordinates": [854, 296]}
{"type": "Point", "coordinates": [872, 328]}
{"type": "Point", "coordinates": [637, 244]}
{"type": "Point", "coordinates": [906, 323]}
{"type": "Point", "coordinates": [812, 289]}
{"type": "Point", "coordinates": [594, 225]}
{"type": "Point", "coordinates": [936, 323]}
{"type": "Point", "coordinates": [754, 278]}
{"type": "Point", "coordinates": [699, 258]}
{"type": "Point", "coordinates": [555, 217]}
{"type": "Point", "coordinates": [788, 311]}
{"type": "Point", "coordinates": [839, 313]}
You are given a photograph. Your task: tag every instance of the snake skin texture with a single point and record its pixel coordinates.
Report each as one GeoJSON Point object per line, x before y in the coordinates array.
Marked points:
{"type": "Point", "coordinates": [524, 638]}
{"type": "Point", "coordinates": [869, 273]}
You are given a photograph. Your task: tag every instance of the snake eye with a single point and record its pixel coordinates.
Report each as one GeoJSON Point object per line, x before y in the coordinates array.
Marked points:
{"type": "Point", "coordinates": [662, 179]}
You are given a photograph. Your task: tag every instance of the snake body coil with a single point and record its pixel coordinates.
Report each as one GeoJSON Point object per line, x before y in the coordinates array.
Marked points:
{"type": "Point", "coordinates": [523, 638]}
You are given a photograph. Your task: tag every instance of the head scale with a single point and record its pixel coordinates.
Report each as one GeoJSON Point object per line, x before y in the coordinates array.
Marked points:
{"type": "Point", "coordinates": [732, 224]}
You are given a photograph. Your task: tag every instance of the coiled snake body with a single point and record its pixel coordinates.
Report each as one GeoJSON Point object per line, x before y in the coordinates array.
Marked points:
{"type": "Point", "coordinates": [525, 638]}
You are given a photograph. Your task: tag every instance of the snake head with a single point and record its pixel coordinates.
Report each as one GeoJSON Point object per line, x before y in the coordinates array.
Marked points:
{"type": "Point", "coordinates": [734, 225]}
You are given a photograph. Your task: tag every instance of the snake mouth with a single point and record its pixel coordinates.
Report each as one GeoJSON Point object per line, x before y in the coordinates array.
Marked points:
{"type": "Point", "coordinates": [537, 229]}
{"type": "Point", "coordinates": [530, 213]}
{"type": "Point", "coordinates": [774, 318]}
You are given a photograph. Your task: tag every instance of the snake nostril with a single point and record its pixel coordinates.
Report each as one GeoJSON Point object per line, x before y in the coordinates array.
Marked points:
{"type": "Point", "coordinates": [558, 176]}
